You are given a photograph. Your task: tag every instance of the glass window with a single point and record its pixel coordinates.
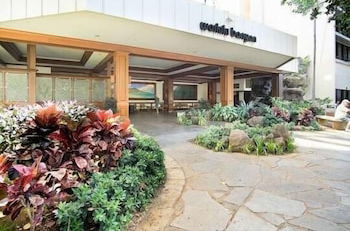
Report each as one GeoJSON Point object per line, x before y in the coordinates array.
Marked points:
{"type": "Point", "coordinates": [98, 90]}
{"type": "Point", "coordinates": [185, 92]}
{"type": "Point", "coordinates": [63, 89]}
{"type": "Point", "coordinates": [43, 88]}
{"type": "Point", "coordinates": [16, 87]}
{"type": "Point", "coordinates": [82, 90]}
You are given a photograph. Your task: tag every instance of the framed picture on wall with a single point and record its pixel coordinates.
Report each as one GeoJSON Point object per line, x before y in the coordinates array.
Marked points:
{"type": "Point", "coordinates": [142, 91]}
{"type": "Point", "coordinates": [185, 92]}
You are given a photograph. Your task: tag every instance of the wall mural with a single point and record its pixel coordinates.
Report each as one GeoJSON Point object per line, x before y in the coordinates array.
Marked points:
{"type": "Point", "coordinates": [142, 90]}
{"type": "Point", "coordinates": [185, 92]}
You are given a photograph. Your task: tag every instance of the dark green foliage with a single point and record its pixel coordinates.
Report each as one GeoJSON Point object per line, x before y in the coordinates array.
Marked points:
{"type": "Point", "coordinates": [270, 120]}
{"type": "Point", "coordinates": [193, 117]}
{"type": "Point", "coordinates": [215, 138]}
{"type": "Point", "coordinates": [110, 199]}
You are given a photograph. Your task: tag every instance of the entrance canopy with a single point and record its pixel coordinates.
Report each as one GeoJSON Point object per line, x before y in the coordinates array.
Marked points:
{"type": "Point", "coordinates": [163, 28]}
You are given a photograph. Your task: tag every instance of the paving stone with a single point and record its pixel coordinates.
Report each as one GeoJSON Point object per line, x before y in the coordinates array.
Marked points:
{"type": "Point", "coordinates": [292, 163]}
{"type": "Point", "coordinates": [245, 220]}
{"type": "Point", "coordinates": [345, 200]}
{"type": "Point", "coordinates": [272, 218]}
{"type": "Point", "coordinates": [201, 212]}
{"type": "Point", "coordinates": [315, 223]}
{"type": "Point", "coordinates": [339, 214]}
{"type": "Point", "coordinates": [238, 195]}
{"type": "Point", "coordinates": [291, 228]}
{"type": "Point", "coordinates": [316, 198]}
{"type": "Point", "coordinates": [264, 202]}
{"type": "Point", "coordinates": [243, 175]}
{"type": "Point", "coordinates": [207, 182]}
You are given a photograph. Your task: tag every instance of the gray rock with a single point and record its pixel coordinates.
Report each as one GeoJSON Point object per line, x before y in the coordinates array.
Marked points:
{"type": "Point", "coordinates": [272, 218]}
{"type": "Point", "coordinates": [315, 223]}
{"type": "Point", "coordinates": [337, 214]}
{"type": "Point", "coordinates": [238, 195]}
{"type": "Point", "coordinates": [237, 140]}
{"type": "Point", "coordinates": [255, 121]}
{"type": "Point", "coordinates": [245, 220]}
{"type": "Point", "coordinates": [201, 212]}
{"type": "Point", "coordinates": [264, 202]}
{"type": "Point", "coordinates": [293, 94]}
{"type": "Point", "coordinates": [293, 82]}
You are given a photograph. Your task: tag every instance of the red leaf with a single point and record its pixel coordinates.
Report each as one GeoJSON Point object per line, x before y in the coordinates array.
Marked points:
{"type": "Point", "coordinates": [80, 162]}
{"type": "Point", "coordinates": [36, 200]}
{"type": "Point", "coordinates": [59, 174]}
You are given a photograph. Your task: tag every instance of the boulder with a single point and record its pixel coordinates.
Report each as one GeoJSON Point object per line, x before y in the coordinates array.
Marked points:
{"type": "Point", "coordinates": [279, 141]}
{"type": "Point", "coordinates": [281, 130]}
{"type": "Point", "coordinates": [293, 94]}
{"type": "Point", "coordinates": [237, 140]}
{"type": "Point", "coordinates": [255, 121]}
{"type": "Point", "coordinates": [294, 81]}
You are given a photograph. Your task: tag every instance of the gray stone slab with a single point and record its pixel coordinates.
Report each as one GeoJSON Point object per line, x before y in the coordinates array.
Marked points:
{"type": "Point", "coordinates": [316, 198]}
{"type": "Point", "coordinates": [238, 195]}
{"type": "Point", "coordinates": [201, 212]}
{"type": "Point", "coordinates": [273, 218]}
{"type": "Point", "coordinates": [245, 220]}
{"type": "Point", "coordinates": [338, 214]}
{"type": "Point", "coordinates": [207, 182]}
{"type": "Point", "coordinates": [265, 202]}
{"type": "Point", "coordinates": [315, 223]}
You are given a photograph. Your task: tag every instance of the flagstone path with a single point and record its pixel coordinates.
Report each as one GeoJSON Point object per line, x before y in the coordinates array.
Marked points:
{"type": "Point", "coordinates": [208, 191]}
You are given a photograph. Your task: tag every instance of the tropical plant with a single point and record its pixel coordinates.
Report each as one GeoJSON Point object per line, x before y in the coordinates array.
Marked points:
{"type": "Point", "coordinates": [55, 153]}
{"type": "Point", "coordinates": [110, 199]}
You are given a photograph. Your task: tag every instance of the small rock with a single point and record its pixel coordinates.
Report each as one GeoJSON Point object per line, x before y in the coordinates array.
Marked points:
{"type": "Point", "coordinates": [281, 130]}
{"type": "Point", "coordinates": [237, 140]}
{"type": "Point", "coordinates": [279, 141]}
{"type": "Point", "coordinates": [255, 121]}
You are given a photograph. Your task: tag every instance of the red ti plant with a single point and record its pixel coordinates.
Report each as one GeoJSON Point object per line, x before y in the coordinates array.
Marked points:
{"type": "Point", "coordinates": [27, 192]}
{"type": "Point", "coordinates": [56, 155]}
{"type": "Point", "coordinates": [111, 137]}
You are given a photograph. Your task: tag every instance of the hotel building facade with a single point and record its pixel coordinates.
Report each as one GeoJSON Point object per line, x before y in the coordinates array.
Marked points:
{"type": "Point", "coordinates": [179, 51]}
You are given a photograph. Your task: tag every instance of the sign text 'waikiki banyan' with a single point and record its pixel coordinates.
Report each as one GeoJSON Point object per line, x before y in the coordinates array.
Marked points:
{"type": "Point", "coordinates": [225, 31]}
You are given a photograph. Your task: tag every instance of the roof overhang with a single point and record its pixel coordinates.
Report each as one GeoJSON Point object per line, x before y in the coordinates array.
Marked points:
{"type": "Point", "coordinates": [104, 28]}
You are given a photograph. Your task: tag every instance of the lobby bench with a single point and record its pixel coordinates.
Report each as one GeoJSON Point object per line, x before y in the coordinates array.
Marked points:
{"type": "Point", "coordinates": [330, 121]}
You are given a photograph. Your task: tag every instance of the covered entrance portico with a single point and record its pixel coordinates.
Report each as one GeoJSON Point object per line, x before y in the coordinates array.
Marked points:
{"type": "Point", "coordinates": [110, 50]}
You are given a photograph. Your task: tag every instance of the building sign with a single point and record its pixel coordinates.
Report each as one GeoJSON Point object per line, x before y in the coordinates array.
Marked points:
{"type": "Point", "coordinates": [226, 31]}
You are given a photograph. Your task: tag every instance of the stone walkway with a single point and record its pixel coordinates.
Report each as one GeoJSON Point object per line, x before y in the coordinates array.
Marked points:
{"type": "Point", "coordinates": [309, 190]}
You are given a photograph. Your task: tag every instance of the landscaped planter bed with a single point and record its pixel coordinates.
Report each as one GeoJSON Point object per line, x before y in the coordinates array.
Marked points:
{"type": "Point", "coordinates": [71, 167]}
{"type": "Point", "coordinates": [255, 127]}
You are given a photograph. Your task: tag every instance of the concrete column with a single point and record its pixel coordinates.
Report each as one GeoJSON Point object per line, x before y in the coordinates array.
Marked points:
{"type": "Point", "coordinates": [121, 79]}
{"type": "Point", "coordinates": [226, 85]}
{"type": "Point", "coordinates": [212, 92]}
{"type": "Point", "coordinates": [168, 94]}
{"type": "Point", "coordinates": [31, 66]}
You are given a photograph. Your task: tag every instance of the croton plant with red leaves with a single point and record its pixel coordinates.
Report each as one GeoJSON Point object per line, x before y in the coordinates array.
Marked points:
{"type": "Point", "coordinates": [56, 154]}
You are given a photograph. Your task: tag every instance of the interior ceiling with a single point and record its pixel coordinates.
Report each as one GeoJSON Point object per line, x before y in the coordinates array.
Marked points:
{"type": "Point", "coordinates": [75, 61]}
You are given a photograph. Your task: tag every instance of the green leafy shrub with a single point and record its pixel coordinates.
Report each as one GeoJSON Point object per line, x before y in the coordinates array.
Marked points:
{"type": "Point", "coordinates": [214, 137]}
{"type": "Point", "coordinates": [109, 200]}
{"type": "Point", "coordinates": [58, 147]}
{"type": "Point", "coordinates": [262, 138]}
{"type": "Point", "coordinates": [193, 117]}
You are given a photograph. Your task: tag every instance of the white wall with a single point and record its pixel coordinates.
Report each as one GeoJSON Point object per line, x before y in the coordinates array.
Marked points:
{"type": "Point", "coordinates": [272, 14]}
{"type": "Point", "coordinates": [180, 15]}
{"type": "Point", "coordinates": [342, 75]}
